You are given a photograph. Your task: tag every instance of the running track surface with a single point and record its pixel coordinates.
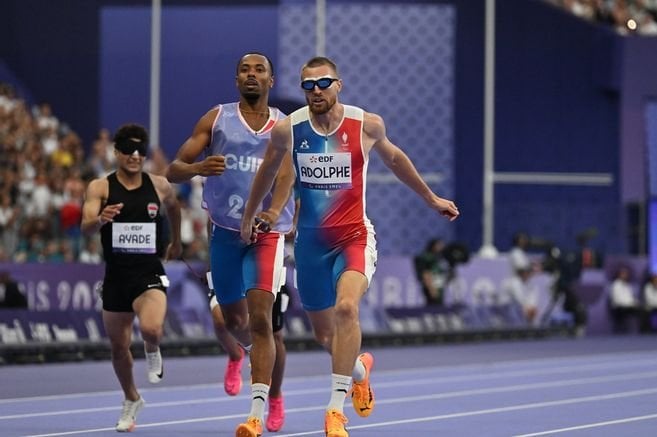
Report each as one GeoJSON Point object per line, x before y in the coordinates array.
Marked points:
{"type": "Point", "coordinates": [558, 387]}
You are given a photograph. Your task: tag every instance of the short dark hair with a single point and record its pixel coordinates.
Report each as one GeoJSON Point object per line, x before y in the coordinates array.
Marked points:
{"type": "Point", "coordinates": [131, 130]}
{"type": "Point", "coordinates": [271, 64]}
{"type": "Point", "coordinates": [318, 61]}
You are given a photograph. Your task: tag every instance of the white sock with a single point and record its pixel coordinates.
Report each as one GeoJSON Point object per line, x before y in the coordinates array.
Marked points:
{"type": "Point", "coordinates": [359, 371]}
{"type": "Point", "coordinates": [259, 394]}
{"type": "Point", "coordinates": [339, 388]}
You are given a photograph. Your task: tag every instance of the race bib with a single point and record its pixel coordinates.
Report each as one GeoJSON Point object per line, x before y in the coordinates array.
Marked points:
{"type": "Point", "coordinates": [133, 237]}
{"type": "Point", "coordinates": [325, 171]}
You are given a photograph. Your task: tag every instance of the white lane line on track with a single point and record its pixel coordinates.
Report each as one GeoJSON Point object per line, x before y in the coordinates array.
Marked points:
{"type": "Point", "coordinates": [429, 397]}
{"type": "Point", "coordinates": [591, 425]}
{"type": "Point", "coordinates": [610, 396]}
{"type": "Point", "coordinates": [431, 418]}
{"type": "Point", "coordinates": [487, 375]}
{"type": "Point", "coordinates": [445, 395]}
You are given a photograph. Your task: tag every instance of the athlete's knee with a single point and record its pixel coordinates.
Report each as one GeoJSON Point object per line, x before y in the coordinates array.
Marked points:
{"type": "Point", "coordinates": [261, 323]}
{"type": "Point", "coordinates": [120, 350]}
{"type": "Point", "coordinates": [152, 333]}
{"type": "Point", "coordinates": [324, 341]}
{"type": "Point", "coordinates": [324, 337]}
{"type": "Point", "coordinates": [278, 336]}
{"type": "Point", "coordinates": [346, 309]}
{"type": "Point", "coordinates": [236, 322]}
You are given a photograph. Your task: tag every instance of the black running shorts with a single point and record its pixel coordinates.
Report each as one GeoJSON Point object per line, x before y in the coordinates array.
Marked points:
{"type": "Point", "coordinates": [122, 286]}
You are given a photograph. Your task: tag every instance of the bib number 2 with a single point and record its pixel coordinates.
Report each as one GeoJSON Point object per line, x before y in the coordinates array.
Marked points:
{"type": "Point", "coordinates": [236, 203]}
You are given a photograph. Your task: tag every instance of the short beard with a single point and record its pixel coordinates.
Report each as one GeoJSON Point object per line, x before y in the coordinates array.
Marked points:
{"type": "Point", "coordinates": [251, 97]}
{"type": "Point", "coordinates": [321, 109]}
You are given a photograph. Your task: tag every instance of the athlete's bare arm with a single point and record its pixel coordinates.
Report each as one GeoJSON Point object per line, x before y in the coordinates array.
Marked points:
{"type": "Point", "coordinates": [279, 146]}
{"type": "Point", "coordinates": [168, 198]}
{"type": "Point", "coordinates": [94, 211]}
{"type": "Point", "coordinates": [184, 166]}
{"type": "Point", "coordinates": [396, 160]}
{"type": "Point", "coordinates": [282, 190]}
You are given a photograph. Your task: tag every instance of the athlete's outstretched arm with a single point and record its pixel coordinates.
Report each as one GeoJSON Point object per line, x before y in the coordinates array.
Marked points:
{"type": "Point", "coordinates": [184, 166]}
{"type": "Point", "coordinates": [401, 165]}
{"type": "Point", "coordinates": [279, 146]}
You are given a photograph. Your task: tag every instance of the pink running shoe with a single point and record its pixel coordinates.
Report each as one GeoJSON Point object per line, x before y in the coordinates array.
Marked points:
{"type": "Point", "coordinates": [233, 376]}
{"type": "Point", "coordinates": [276, 416]}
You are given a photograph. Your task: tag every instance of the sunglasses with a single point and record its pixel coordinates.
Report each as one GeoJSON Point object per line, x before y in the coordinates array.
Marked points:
{"type": "Point", "coordinates": [321, 83]}
{"type": "Point", "coordinates": [141, 153]}
{"type": "Point", "coordinates": [129, 147]}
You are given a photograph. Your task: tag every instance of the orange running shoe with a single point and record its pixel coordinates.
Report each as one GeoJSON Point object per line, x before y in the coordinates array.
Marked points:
{"type": "Point", "coordinates": [362, 396]}
{"type": "Point", "coordinates": [334, 423]}
{"type": "Point", "coordinates": [233, 376]}
{"type": "Point", "coordinates": [276, 416]}
{"type": "Point", "coordinates": [251, 428]}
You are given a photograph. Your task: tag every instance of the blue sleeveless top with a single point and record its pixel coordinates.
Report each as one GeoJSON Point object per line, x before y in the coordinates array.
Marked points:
{"type": "Point", "coordinates": [224, 196]}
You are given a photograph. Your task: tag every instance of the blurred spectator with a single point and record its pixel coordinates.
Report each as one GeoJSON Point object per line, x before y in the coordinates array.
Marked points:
{"type": "Point", "coordinates": [7, 97]}
{"type": "Point", "coordinates": [519, 290]}
{"type": "Point", "coordinates": [158, 162]}
{"type": "Point", "coordinates": [70, 212]}
{"type": "Point", "coordinates": [69, 152]}
{"type": "Point", "coordinates": [45, 120]}
{"type": "Point", "coordinates": [74, 186]}
{"type": "Point", "coordinates": [625, 16]}
{"type": "Point", "coordinates": [519, 287]}
{"type": "Point", "coordinates": [67, 250]}
{"type": "Point", "coordinates": [49, 141]}
{"type": "Point", "coordinates": [431, 270]}
{"type": "Point", "coordinates": [651, 7]}
{"type": "Point", "coordinates": [623, 304]}
{"type": "Point", "coordinates": [187, 227]}
{"type": "Point", "coordinates": [8, 220]}
{"type": "Point", "coordinates": [10, 295]}
{"type": "Point", "coordinates": [102, 158]}
{"type": "Point", "coordinates": [649, 323]}
{"type": "Point", "coordinates": [196, 250]}
{"type": "Point", "coordinates": [195, 196]}
{"type": "Point", "coordinates": [518, 256]}
{"type": "Point", "coordinates": [91, 253]}
{"type": "Point", "coordinates": [589, 258]}
{"type": "Point", "coordinates": [40, 202]}
{"type": "Point", "coordinates": [51, 252]}
{"type": "Point", "coordinates": [566, 269]}
{"type": "Point", "coordinates": [582, 8]}
{"type": "Point", "coordinates": [644, 17]}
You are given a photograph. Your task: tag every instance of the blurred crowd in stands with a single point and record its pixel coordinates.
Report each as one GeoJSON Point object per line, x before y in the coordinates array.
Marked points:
{"type": "Point", "coordinates": [44, 171]}
{"type": "Point", "coordinates": [626, 16]}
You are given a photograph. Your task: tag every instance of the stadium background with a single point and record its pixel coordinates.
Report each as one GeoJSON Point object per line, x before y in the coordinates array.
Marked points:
{"type": "Point", "coordinates": [572, 98]}
{"type": "Point", "coordinates": [565, 88]}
